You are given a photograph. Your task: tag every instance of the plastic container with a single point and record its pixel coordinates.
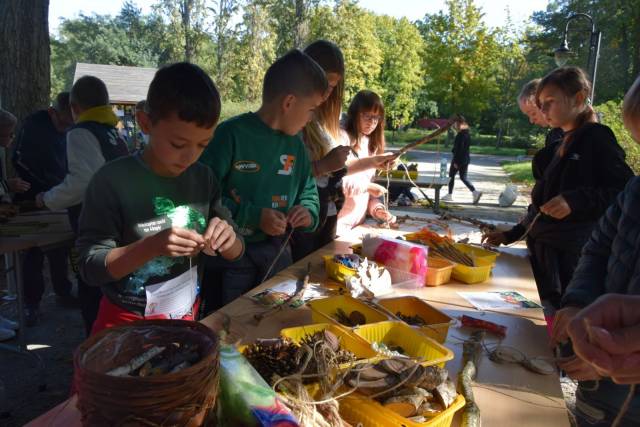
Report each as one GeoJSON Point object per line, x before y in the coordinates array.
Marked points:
{"type": "Point", "coordinates": [401, 279]}
{"type": "Point", "coordinates": [357, 409]}
{"type": "Point", "coordinates": [323, 310]}
{"type": "Point", "coordinates": [470, 275]}
{"type": "Point", "coordinates": [437, 322]}
{"type": "Point", "coordinates": [477, 253]}
{"type": "Point", "coordinates": [439, 271]}
{"type": "Point", "coordinates": [397, 254]}
{"type": "Point", "coordinates": [413, 342]}
{"type": "Point", "coordinates": [348, 340]}
{"type": "Point", "coordinates": [400, 174]}
{"type": "Point", "coordinates": [336, 270]}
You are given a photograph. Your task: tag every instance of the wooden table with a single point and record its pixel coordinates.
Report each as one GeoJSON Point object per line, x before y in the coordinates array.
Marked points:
{"type": "Point", "coordinates": [507, 394]}
{"type": "Point", "coordinates": [424, 180]}
{"type": "Point", "coordinates": [57, 232]}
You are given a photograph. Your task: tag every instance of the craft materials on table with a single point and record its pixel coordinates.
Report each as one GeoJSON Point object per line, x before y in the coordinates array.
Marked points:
{"type": "Point", "coordinates": [485, 325]}
{"type": "Point", "coordinates": [404, 387]}
{"type": "Point", "coordinates": [440, 246]}
{"type": "Point", "coordinates": [499, 300]}
{"type": "Point", "coordinates": [362, 277]}
{"type": "Point", "coordinates": [471, 351]}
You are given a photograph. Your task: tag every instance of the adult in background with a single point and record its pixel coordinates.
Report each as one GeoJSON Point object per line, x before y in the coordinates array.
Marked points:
{"type": "Point", "coordinates": [40, 158]}
{"type": "Point", "coordinates": [8, 123]}
{"type": "Point", "coordinates": [461, 160]}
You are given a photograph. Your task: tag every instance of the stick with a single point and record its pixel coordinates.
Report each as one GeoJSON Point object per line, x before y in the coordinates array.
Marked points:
{"type": "Point", "coordinates": [472, 221]}
{"type": "Point", "coordinates": [470, 353]}
{"type": "Point", "coordinates": [296, 296]}
{"type": "Point", "coordinates": [429, 137]}
{"type": "Point", "coordinates": [136, 362]}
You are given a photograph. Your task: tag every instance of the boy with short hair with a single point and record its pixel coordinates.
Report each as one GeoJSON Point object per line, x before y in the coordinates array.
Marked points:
{"type": "Point", "coordinates": [265, 173]}
{"type": "Point", "coordinates": [91, 142]}
{"type": "Point", "coordinates": [146, 217]}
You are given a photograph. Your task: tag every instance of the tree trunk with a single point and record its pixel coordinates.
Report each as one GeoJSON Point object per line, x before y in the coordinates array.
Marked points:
{"type": "Point", "coordinates": [186, 6]}
{"type": "Point", "coordinates": [25, 77]}
{"type": "Point", "coordinates": [300, 30]}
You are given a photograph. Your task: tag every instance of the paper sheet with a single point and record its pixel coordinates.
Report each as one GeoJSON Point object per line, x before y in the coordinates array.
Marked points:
{"type": "Point", "coordinates": [501, 300]}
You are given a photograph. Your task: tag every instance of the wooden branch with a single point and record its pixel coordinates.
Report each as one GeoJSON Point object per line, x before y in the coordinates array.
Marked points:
{"type": "Point", "coordinates": [453, 120]}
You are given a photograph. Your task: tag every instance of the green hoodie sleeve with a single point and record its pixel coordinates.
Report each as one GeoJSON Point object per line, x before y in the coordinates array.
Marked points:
{"type": "Point", "coordinates": [308, 194]}
{"type": "Point", "coordinates": [219, 157]}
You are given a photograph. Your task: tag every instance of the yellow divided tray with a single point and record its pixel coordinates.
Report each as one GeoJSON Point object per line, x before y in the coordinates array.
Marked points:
{"type": "Point", "coordinates": [470, 275]}
{"type": "Point", "coordinates": [348, 341]}
{"type": "Point", "coordinates": [323, 310]}
{"type": "Point", "coordinates": [438, 323]}
{"type": "Point", "coordinates": [399, 174]}
{"type": "Point", "coordinates": [357, 409]}
{"type": "Point", "coordinates": [413, 342]}
{"type": "Point", "coordinates": [477, 253]}
{"type": "Point", "coordinates": [438, 271]}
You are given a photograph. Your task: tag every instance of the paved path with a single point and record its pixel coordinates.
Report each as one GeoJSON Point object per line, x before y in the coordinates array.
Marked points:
{"type": "Point", "coordinates": [487, 176]}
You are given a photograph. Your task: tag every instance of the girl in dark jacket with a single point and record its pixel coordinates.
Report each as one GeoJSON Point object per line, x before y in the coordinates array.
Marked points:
{"type": "Point", "coordinates": [610, 264]}
{"type": "Point", "coordinates": [577, 178]}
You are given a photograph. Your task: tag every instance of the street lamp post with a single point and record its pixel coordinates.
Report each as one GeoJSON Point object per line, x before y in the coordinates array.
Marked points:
{"type": "Point", "coordinates": [561, 54]}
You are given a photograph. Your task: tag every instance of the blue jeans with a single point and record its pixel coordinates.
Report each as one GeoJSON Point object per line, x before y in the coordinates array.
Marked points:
{"type": "Point", "coordinates": [596, 407]}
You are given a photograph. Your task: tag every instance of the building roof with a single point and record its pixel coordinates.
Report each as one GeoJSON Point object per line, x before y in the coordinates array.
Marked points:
{"type": "Point", "coordinates": [126, 85]}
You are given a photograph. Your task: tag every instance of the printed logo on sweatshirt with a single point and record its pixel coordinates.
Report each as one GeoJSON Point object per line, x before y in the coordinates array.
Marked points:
{"type": "Point", "coordinates": [287, 161]}
{"type": "Point", "coordinates": [279, 201]}
{"type": "Point", "coordinates": [574, 156]}
{"type": "Point", "coordinates": [248, 166]}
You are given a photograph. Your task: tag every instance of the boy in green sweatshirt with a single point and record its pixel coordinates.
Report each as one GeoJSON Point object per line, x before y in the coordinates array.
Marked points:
{"type": "Point", "coordinates": [262, 165]}
{"type": "Point", "coordinates": [147, 217]}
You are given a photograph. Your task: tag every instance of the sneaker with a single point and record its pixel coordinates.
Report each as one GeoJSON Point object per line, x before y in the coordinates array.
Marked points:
{"type": "Point", "coordinates": [32, 316]}
{"type": "Point", "coordinates": [476, 197]}
{"type": "Point", "coordinates": [404, 201]}
{"type": "Point", "coordinates": [8, 324]}
{"type": "Point", "coordinates": [447, 198]}
{"type": "Point", "coordinates": [6, 334]}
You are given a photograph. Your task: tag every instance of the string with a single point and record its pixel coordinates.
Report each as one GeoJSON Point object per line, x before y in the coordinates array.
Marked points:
{"type": "Point", "coordinates": [275, 260]}
{"type": "Point", "coordinates": [625, 406]}
{"type": "Point", "coordinates": [526, 233]}
{"type": "Point", "coordinates": [406, 172]}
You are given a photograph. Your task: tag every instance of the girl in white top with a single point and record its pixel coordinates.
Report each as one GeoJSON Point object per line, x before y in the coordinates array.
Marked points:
{"type": "Point", "coordinates": [365, 129]}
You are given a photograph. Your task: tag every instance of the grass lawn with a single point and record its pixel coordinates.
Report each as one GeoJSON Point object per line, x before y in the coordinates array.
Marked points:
{"type": "Point", "coordinates": [519, 172]}
{"type": "Point", "coordinates": [402, 138]}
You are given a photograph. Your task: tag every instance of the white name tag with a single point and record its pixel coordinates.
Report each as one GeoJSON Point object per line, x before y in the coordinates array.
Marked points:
{"type": "Point", "coordinates": [173, 298]}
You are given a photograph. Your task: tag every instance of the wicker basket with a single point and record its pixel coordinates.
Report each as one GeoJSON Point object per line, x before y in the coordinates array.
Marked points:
{"type": "Point", "coordinates": [184, 398]}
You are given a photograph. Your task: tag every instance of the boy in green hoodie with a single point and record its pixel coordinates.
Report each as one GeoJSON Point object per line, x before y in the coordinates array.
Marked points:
{"type": "Point", "coordinates": [91, 142]}
{"type": "Point", "coordinates": [263, 168]}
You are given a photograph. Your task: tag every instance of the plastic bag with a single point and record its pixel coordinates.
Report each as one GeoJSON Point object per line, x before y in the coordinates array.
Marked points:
{"type": "Point", "coordinates": [508, 196]}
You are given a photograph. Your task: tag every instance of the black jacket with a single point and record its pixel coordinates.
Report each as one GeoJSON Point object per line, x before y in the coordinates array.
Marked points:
{"type": "Point", "coordinates": [589, 176]}
{"type": "Point", "coordinates": [461, 148]}
{"type": "Point", "coordinates": [40, 156]}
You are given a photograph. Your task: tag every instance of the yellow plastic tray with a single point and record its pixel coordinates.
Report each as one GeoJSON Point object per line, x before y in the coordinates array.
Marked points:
{"type": "Point", "coordinates": [400, 174]}
{"type": "Point", "coordinates": [438, 271]}
{"type": "Point", "coordinates": [357, 409]}
{"type": "Point", "coordinates": [337, 271]}
{"type": "Point", "coordinates": [471, 275]}
{"type": "Point", "coordinates": [323, 310]}
{"type": "Point", "coordinates": [348, 340]}
{"type": "Point", "coordinates": [477, 253]}
{"type": "Point", "coordinates": [414, 343]}
{"type": "Point", "coordinates": [438, 323]}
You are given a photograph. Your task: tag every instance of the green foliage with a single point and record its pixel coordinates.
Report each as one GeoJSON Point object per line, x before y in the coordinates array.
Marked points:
{"type": "Point", "coordinates": [401, 69]}
{"type": "Point", "coordinates": [353, 29]}
{"type": "Point", "coordinates": [612, 116]}
{"type": "Point", "coordinates": [519, 172]}
{"type": "Point", "coordinates": [232, 109]}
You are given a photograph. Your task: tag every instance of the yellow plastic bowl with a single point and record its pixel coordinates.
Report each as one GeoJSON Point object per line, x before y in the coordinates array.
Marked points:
{"type": "Point", "coordinates": [437, 322]}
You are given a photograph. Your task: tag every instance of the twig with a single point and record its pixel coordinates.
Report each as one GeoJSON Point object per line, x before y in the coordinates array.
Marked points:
{"type": "Point", "coordinates": [275, 260]}
{"type": "Point", "coordinates": [431, 136]}
{"type": "Point", "coordinates": [293, 298]}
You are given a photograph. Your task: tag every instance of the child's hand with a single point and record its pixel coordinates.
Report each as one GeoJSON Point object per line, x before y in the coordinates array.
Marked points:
{"type": "Point", "coordinates": [384, 160]}
{"type": "Point", "coordinates": [176, 242]}
{"type": "Point", "coordinates": [376, 190]}
{"type": "Point", "coordinates": [299, 216]}
{"type": "Point", "coordinates": [578, 369]}
{"type": "Point", "coordinates": [219, 236]}
{"type": "Point", "coordinates": [335, 159]}
{"type": "Point", "coordinates": [494, 238]}
{"type": "Point", "coordinates": [18, 185]}
{"type": "Point", "coordinates": [557, 208]}
{"type": "Point", "coordinates": [273, 222]}
{"type": "Point", "coordinates": [561, 322]}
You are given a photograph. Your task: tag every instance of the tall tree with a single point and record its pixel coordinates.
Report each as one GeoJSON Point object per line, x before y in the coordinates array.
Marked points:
{"type": "Point", "coordinates": [256, 51]}
{"type": "Point", "coordinates": [224, 38]}
{"type": "Point", "coordinates": [460, 59]}
{"type": "Point", "coordinates": [187, 18]}
{"type": "Point", "coordinates": [401, 69]}
{"type": "Point", "coordinates": [290, 20]}
{"type": "Point", "coordinates": [24, 56]}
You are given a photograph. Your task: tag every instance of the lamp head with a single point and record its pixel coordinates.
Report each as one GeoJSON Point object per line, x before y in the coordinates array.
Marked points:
{"type": "Point", "coordinates": [561, 55]}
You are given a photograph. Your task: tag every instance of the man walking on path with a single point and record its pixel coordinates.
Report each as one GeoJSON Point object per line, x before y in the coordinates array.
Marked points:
{"type": "Point", "coordinates": [460, 161]}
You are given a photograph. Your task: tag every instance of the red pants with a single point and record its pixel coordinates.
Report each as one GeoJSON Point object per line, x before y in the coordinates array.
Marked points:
{"type": "Point", "coordinates": [110, 315]}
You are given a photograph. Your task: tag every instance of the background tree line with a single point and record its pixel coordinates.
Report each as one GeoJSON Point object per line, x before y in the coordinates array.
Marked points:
{"type": "Point", "coordinates": [448, 62]}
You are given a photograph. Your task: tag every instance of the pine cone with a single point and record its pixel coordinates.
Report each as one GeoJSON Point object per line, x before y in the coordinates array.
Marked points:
{"type": "Point", "coordinates": [273, 358]}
